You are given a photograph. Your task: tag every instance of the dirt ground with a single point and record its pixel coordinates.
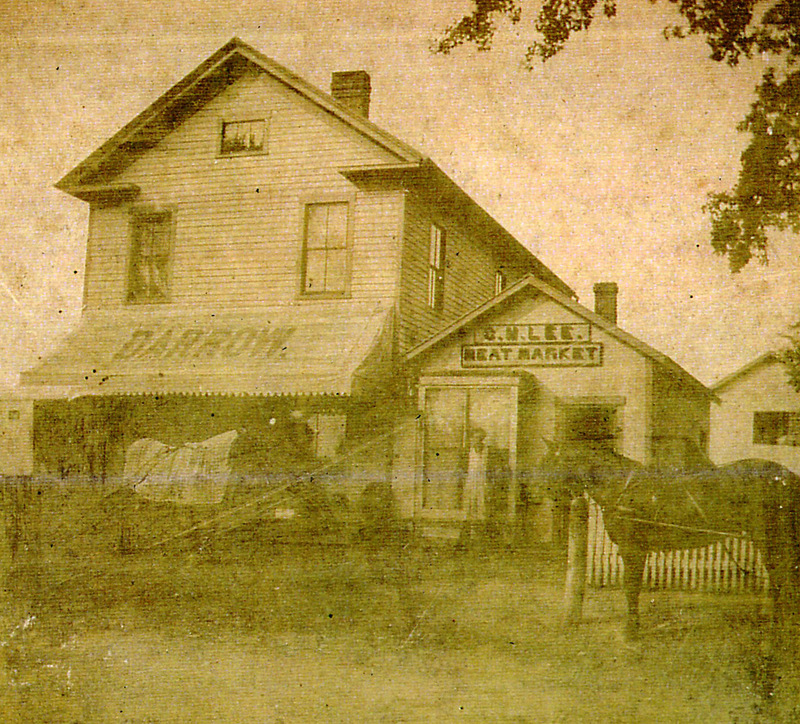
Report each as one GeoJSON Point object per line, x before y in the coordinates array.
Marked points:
{"type": "Point", "coordinates": [289, 632]}
{"type": "Point", "coordinates": [107, 616]}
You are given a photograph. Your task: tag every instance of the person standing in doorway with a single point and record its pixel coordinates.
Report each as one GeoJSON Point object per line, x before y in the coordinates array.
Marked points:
{"type": "Point", "coordinates": [475, 483]}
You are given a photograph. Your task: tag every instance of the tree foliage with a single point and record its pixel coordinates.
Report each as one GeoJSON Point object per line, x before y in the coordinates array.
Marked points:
{"type": "Point", "coordinates": [766, 193]}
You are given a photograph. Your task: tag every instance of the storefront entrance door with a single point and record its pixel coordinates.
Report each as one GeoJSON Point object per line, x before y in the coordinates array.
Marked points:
{"type": "Point", "coordinates": [467, 444]}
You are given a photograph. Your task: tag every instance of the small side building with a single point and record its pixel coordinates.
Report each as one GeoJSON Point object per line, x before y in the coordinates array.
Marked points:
{"type": "Point", "coordinates": [531, 365]}
{"type": "Point", "coordinates": [758, 415]}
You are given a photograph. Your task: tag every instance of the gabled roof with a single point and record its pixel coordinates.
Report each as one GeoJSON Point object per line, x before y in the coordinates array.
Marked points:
{"type": "Point", "coordinates": [91, 180]}
{"type": "Point", "coordinates": [766, 358]}
{"type": "Point", "coordinates": [212, 76]}
{"type": "Point", "coordinates": [529, 283]}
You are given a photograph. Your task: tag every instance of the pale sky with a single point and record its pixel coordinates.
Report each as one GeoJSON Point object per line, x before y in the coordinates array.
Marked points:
{"type": "Point", "coordinates": [598, 161]}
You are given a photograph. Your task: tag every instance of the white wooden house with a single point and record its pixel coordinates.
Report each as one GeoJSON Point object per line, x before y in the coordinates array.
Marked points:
{"type": "Point", "coordinates": [258, 247]}
{"type": "Point", "coordinates": [758, 415]}
{"type": "Point", "coordinates": [260, 252]}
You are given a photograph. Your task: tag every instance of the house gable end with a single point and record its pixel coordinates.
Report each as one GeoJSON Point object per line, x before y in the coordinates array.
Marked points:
{"type": "Point", "coordinates": [531, 285]}
{"type": "Point", "coordinates": [228, 65]}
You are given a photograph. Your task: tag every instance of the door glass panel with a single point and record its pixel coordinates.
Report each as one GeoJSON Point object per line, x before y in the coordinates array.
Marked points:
{"type": "Point", "coordinates": [445, 453]}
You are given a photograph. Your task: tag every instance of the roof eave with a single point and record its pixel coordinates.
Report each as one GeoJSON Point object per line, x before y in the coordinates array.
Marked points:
{"type": "Point", "coordinates": [92, 166]}
{"type": "Point", "coordinates": [745, 369]}
{"type": "Point", "coordinates": [426, 170]}
{"type": "Point", "coordinates": [531, 281]}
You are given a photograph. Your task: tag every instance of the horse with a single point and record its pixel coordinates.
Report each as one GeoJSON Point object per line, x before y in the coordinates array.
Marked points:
{"type": "Point", "coordinates": [647, 510]}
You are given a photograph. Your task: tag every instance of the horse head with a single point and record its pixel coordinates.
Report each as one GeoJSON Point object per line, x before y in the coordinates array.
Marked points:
{"type": "Point", "coordinates": [558, 472]}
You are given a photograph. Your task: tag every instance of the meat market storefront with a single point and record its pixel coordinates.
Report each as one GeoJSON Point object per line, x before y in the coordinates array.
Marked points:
{"type": "Point", "coordinates": [529, 366]}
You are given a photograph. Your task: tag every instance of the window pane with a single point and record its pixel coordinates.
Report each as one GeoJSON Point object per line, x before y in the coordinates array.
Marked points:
{"type": "Point", "coordinates": [489, 410]}
{"type": "Point", "coordinates": [433, 300]}
{"type": "Point", "coordinates": [316, 226]}
{"type": "Point", "coordinates": [326, 248]}
{"type": "Point", "coordinates": [337, 226]}
{"type": "Point", "coordinates": [490, 422]}
{"type": "Point", "coordinates": [315, 271]}
{"type": "Point", "coordinates": [444, 416]}
{"type": "Point", "coordinates": [150, 252]}
{"type": "Point", "coordinates": [243, 136]}
{"type": "Point", "coordinates": [336, 270]}
{"type": "Point", "coordinates": [594, 424]}
{"type": "Point", "coordinates": [445, 454]}
{"type": "Point", "coordinates": [499, 282]}
{"type": "Point", "coordinates": [776, 428]}
{"type": "Point", "coordinates": [436, 268]}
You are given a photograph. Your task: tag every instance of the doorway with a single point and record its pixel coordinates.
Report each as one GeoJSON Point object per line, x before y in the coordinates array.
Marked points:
{"type": "Point", "coordinates": [467, 452]}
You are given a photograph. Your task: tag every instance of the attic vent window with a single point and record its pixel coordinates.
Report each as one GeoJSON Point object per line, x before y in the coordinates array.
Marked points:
{"type": "Point", "coordinates": [243, 137]}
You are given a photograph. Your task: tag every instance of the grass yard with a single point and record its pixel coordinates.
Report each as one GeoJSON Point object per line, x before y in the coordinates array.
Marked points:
{"type": "Point", "coordinates": [256, 628]}
{"type": "Point", "coordinates": [335, 634]}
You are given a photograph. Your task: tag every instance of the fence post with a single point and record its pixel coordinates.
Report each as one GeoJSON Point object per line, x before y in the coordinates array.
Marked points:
{"type": "Point", "coordinates": [7, 519]}
{"type": "Point", "coordinates": [577, 547]}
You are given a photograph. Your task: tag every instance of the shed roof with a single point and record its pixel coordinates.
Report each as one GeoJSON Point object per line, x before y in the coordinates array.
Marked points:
{"type": "Point", "coordinates": [267, 351]}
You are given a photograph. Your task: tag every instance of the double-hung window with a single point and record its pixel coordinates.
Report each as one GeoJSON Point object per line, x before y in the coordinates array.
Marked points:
{"type": "Point", "coordinates": [151, 249]}
{"type": "Point", "coordinates": [325, 248]}
{"type": "Point", "coordinates": [776, 428]}
{"type": "Point", "coordinates": [436, 262]}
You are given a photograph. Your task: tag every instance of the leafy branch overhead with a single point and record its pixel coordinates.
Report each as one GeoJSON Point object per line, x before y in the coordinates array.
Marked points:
{"type": "Point", "coordinates": [766, 193]}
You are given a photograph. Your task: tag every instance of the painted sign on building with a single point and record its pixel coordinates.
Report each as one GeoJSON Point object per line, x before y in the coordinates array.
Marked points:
{"type": "Point", "coordinates": [181, 343]}
{"type": "Point", "coordinates": [533, 345]}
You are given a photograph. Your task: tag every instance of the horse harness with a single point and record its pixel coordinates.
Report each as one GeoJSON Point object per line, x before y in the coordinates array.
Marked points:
{"type": "Point", "coordinates": [675, 526]}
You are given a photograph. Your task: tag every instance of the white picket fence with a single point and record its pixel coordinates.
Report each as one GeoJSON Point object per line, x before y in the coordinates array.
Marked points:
{"type": "Point", "coordinates": [733, 564]}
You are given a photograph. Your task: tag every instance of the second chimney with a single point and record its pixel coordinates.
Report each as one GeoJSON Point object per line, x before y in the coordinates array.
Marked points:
{"type": "Point", "coordinates": [605, 300]}
{"type": "Point", "coordinates": [352, 89]}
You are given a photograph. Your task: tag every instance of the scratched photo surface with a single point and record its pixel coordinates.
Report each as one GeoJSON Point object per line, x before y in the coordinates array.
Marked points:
{"type": "Point", "coordinates": [346, 380]}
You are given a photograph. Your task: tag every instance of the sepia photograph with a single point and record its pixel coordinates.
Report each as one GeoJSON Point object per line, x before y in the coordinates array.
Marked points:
{"type": "Point", "coordinates": [400, 362]}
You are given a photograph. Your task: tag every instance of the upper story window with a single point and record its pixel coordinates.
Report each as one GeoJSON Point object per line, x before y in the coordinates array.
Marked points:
{"type": "Point", "coordinates": [151, 249]}
{"type": "Point", "coordinates": [776, 428]}
{"type": "Point", "coordinates": [436, 260]}
{"type": "Point", "coordinates": [500, 281]}
{"type": "Point", "coordinates": [243, 137]}
{"type": "Point", "coordinates": [325, 248]}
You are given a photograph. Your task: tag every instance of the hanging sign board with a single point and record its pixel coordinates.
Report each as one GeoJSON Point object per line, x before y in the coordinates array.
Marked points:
{"type": "Point", "coordinates": [533, 345]}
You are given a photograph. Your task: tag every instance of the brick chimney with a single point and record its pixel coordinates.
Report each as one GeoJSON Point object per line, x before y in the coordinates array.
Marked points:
{"type": "Point", "coordinates": [352, 89]}
{"type": "Point", "coordinates": [605, 300]}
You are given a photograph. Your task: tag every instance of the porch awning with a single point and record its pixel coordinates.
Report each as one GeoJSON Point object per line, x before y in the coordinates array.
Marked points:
{"type": "Point", "coordinates": [333, 349]}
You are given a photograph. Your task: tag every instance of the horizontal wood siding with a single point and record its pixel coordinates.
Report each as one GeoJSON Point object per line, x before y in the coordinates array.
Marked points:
{"type": "Point", "coordinates": [471, 261]}
{"type": "Point", "coordinates": [239, 219]}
